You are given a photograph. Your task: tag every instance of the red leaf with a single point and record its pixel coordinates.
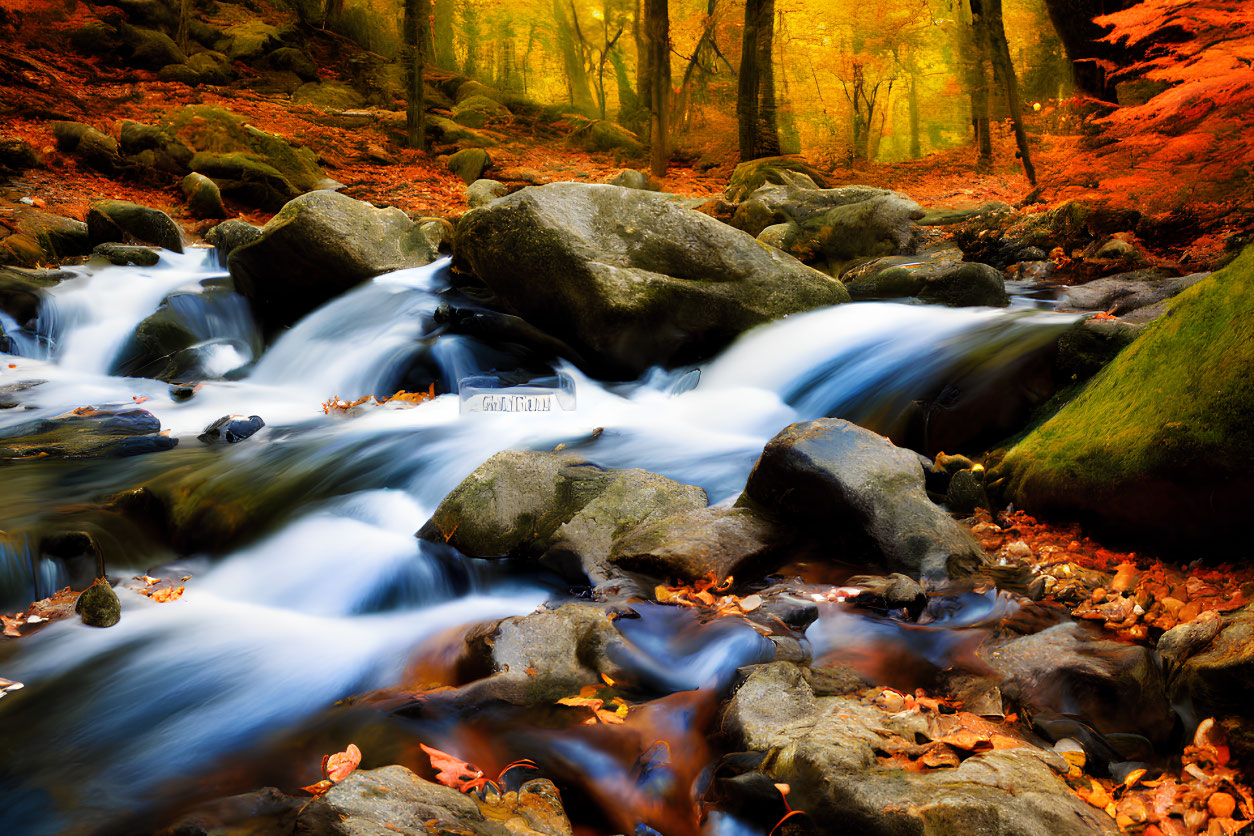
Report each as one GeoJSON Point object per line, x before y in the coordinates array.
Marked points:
{"type": "Point", "coordinates": [339, 766]}
{"type": "Point", "coordinates": [452, 772]}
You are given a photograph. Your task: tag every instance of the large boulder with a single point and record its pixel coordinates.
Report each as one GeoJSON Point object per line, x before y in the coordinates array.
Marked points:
{"type": "Point", "coordinates": [630, 278]}
{"type": "Point", "coordinates": [204, 199]}
{"type": "Point", "coordinates": [229, 236]}
{"type": "Point", "coordinates": [328, 95]}
{"type": "Point", "coordinates": [151, 49]}
{"type": "Point", "coordinates": [177, 342]}
{"type": "Point", "coordinates": [250, 40]}
{"type": "Point", "coordinates": [1128, 292]}
{"type": "Point", "coordinates": [96, 149]}
{"type": "Point", "coordinates": [125, 222]}
{"type": "Point", "coordinates": [835, 755]}
{"type": "Point", "coordinates": [603, 135]}
{"type": "Point", "coordinates": [939, 276]}
{"type": "Point", "coordinates": [1159, 447]}
{"type": "Point", "coordinates": [30, 237]}
{"type": "Point", "coordinates": [320, 245]}
{"type": "Point", "coordinates": [848, 485]}
{"type": "Point", "coordinates": [479, 112]}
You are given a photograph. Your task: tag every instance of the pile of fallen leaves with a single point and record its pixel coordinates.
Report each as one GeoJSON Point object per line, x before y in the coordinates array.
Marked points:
{"type": "Point", "coordinates": [592, 698]}
{"type": "Point", "coordinates": [708, 594]}
{"type": "Point", "coordinates": [1205, 797]}
{"type": "Point", "coordinates": [159, 589]}
{"type": "Point", "coordinates": [401, 399]}
{"type": "Point", "coordinates": [1130, 595]}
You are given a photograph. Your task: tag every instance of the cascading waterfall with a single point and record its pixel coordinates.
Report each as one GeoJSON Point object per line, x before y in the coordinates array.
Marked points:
{"type": "Point", "coordinates": [332, 594]}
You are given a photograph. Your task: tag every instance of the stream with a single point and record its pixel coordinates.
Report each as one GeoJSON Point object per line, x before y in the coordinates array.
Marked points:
{"type": "Point", "coordinates": [324, 593]}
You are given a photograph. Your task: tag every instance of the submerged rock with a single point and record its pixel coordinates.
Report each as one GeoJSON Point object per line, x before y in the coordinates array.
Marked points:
{"type": "Point", "coordinates": [939, 276]}
{"type": "Point", "coordinates": [320, 245]}
{"type": "Point", "coordinates": [850, 486]}
{"type": "Point", "coordinates": [1158, 447]}
{"type": "Point", "coordinates": [86, 432]}
{"type": "Point", "coordinates": [124, 254]}
{"type": "Point", "coordinates": [629, 278]}
{"type": "Point", "coordinates": [99, 606]}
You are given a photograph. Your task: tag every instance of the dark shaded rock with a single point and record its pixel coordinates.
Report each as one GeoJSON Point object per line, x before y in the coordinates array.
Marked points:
{"type": "Point", "coordinates": [938, 276]}
{"type": "Point", "coordinates": [22, 290]}
{"type": "Point", "coordinates": [86, 433]}
{"type": "Point", "coordinates": [463, 89]}
{"type": "Point", "coordinates": [967, 284]}
{"type": "Point", "coordinates": [125, 222]}
{"type": "Point", "coordinates": [581, 546]}
{"type": "Point", "coordinates": [482, 192]}
{"type": "Point", "coordinates": [895, 592]}
{"type": "Point", "coordinates": [99, 606]}
{"type": "Point", "coordinates": [966, 492]}
{"type": "Point", "coordinates": [753, 216]}
{"type": "Point", "coordinates": [16, 154]}
{"type": "Point", "coordinates": [826, 748]}
{"type": "Point", "coordinates": [262, 812]}
{"type": "Point", "coordinates": [469, 164]}
{"type": "Point", "coordinates": [204, 200]}
{"type": "Point", "coordinates": [247, 178]}
{"type": "Point", "coordinates": [228, 236]}
{"type": "Point", "coordinates": [851, 486]}
{"type": "Point", "coordinates": [1088, 346]}
{"type": "Point", "coordinates": [736, 541]}
{"type": "Point", "coordinates": [320, 245]}
{"type": "Point", "coordinates": [293, 61]}
{"type": "Point", "coordinates": [629, 278]}
{"type": "Point", "coordinates": [151, 49]}
{"type": "Point", "coordinates": [30, 237]}
{"type": "Point", "coordinates": [451, 133]}
{"type": "Point", "coordinates": [751, 175]}
{"type": "Point", "coordinates": [230, 429]}
{"type": "Point", "coordinates": [1210, 665]}
{"type": "Point", "coordinates": [1128, 292]}
{"type": "Point", "coordinates": [97, 150]}
{"type": "Point", "coordinates": [123, 254]}
{"type": "Point", "coordinates": [163, 151]}
{"type": "Point", "coordinates": [1111, 686]}
{"type": "Point", "coordinates": [249, 41]}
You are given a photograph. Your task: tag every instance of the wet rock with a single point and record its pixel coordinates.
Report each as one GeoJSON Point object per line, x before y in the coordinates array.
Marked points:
{"type": "Point", "coordinates": [850, 486]}
{"type": "Point", "coordinates": [629, 278]}
{"type": "Point", "coordinates": [438, 232]}
{"type": "Point", "coordinates": [751, 175]}
{"type": "Point", "coordinates": [581, 547]}
{"type": "Point", "coordinates": [1089, 346]}
{"type": "Point", "coordinates": [204, 200]}
{"type": "Point", "coordinates": [230, 429]}
{"type": "Point", "coordinates": [262, 812]}
{"type": "Point", "coordinates": [726, 541]}
{"type": "Point", "coordinates": [124, 254]}
{"type": "Point", "coordinates": [937, 276]}
{"type": "Point", "coordinates": [482, 192]}
{"type": "Point", "coordinates": [294, 61]}
{"type": "Point", "coordinates": [229, 236]}
{"type": "Point", "coordinates": [367, 800]}
{"type": "Point", "coordinates": [479, 112]}
{"type": "Point", "coordinates": [1211, 665]}
{"type": "Point", "coordinates": [99, 606]}
{"type": "Point", "coordinates": [631, 179]}
{"type": "Point", "coordinates": [894, 592]}
{"type": "Point", "coordinates": [1157, 448]}
{"type": "Point", "coordinates": [320, 245]}
{"type": "Point", "coordinates": [86, 432]}
{"type": "Point", "coordinates": [1110, 686]}
{"type": "Point", "coordinates": [125, 222]}
{"type": "Point", "coordinates": [513, 503]}
{"type": "Point", "coordinates": [1128, 292]}
{"type": "Point", "coordinates": [21, 291]}
{"type": "Point", "coordinates": [16, 154]}
{"type": "Point", "coordinates": [966, 492]}
{"type": "Point", "coordinates": [825, 749]}
{"type": "Point", "coordinates": [602, 135]}
{"type": "Point", "coordinates": [545, 656]}
{"type": "Point", "coordinates": [469, 164]}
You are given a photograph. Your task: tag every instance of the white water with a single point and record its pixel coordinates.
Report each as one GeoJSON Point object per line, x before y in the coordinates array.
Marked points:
{"type": "Point", "coordinates": [331, 600]}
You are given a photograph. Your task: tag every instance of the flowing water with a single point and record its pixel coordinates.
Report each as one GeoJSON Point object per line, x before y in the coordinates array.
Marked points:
{"type": "Point", "coordinates": [324, 592]}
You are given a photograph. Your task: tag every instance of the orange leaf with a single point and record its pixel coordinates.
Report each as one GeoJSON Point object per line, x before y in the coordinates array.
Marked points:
{"type": "Point", "coordinates": [164, 596]}
{"type": "Point", "coordinates": [339, 766]}
{"type": "Point", "coordinates": [452, 772]}
{"type": "Point", "coordinates": [320, 788]}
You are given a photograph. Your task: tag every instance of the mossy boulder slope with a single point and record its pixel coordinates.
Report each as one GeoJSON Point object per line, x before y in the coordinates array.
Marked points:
{"type": "Point", "coordinates": [1159, 447]}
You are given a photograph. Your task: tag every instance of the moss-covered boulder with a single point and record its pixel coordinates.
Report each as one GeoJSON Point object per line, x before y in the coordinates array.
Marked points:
{"type": "Point", "coordinates": [1159, 447]}
{"type": "Point", "coordinates": [937, 276]}
{"type": "Point", "coordinates": [30, 237]}
{"type": "Point", "coordinates": [98, 605]}
{"type": "Point", "coordinates": [228, 236]}
{"type": "Point", "coordinates": [469, 164]}
{"type": "Point", "coordinates": [603, 135]}
{"type": "Point", "coordinates": [328, 95]}
{"type": "Point", "coordinates": [124, 254]}
{"type": "Point", "coordinates": [295, 61]}
{"type": "Point", "coordinates": [631, 279]}
{"type": "Point", "coordinates": [751, 175]}
{"type": "Point", "coordinates": [451, 133]}
{"type": "Point", "coordinates": [251, 40]}
{"type": "Point", "coordinates": [320, 245]}
{"type": "Point", "coordinates": [124, 222]}
{"type": "Point", "coordinates": [204, 199]}
{"type": "Point", "coordinates": [176, 342]}
{"type": "Point", "coordinates": [150, 48]}
{"type": "Point", "coordinates": [479, 112]}
{"type": "Point", "coordinates": [96, 149]}
{"type": "Point", "coordinates": [16, 154]}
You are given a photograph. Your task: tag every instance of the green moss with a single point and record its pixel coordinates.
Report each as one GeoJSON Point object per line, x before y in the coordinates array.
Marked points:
{"type": "Point", "coordinates": [1167, 424]}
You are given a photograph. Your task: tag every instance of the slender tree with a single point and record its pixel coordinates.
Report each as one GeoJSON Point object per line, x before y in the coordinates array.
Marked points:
{"type": "Point", "coordinates": [755, 94]}
{"type": "Point", "coordinates": [657, 36]}
{"type": "Point", "coordinates": [988, 15]}
{"type": "Point", "coordinates": [415, 25]}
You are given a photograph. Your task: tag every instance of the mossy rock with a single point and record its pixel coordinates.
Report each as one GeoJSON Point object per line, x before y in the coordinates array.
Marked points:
{"type": "Point", "coordinates": [448, 131]}
{"type": "Point", "coordinates": [294, 61]}
{"type": "Point", "coordinates": [124, 222]}
{"type": "Point", "coordinates": [99, 606]}
{"type": "Point", "coordinates": [204, 199]}
{"type": "Point", "coordinates": [751, 175]}
{"type": "Point", "coordinates": [124, 254]}
{"type": "Point", "coordinates": [1159, 447]}
{"type": "Point", "coordinates": [247, 178]}
{"type": "Point", "coordinates": [602, 135]}
{"type": "Point", "coordinates": [39, 237]}
{"type": "Point", "coordinates": [479, 112]}
{"type": "Point", "coordinates": [16, 154]}
{"type": "Point", "coordinates": [22, 291]}
{"type": "Point", "coordinates": [151, 49]}
{"type": "Point", "coordinates": [470, 164]}
{"type": "Point", "coordinates": [249, 41]}
{"type": "Point", "coordinates": [328, 95]}
{"type": "Point", "coordinates": [230, 235]}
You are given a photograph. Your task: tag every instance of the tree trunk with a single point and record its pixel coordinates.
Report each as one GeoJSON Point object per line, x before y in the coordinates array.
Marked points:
{"type": "Point", "coordinates": [975, 43]}
{"type": "Point", "coordinates": [996, 29]}
{"type": "Point", "coordinates": [748, 82]}
{"type": "Point", "coordinates": [768, 126]}
{"type": "Point", "coordinates": [644, 87]}
{"type": "Point", "coordinates": [414, 24]}
{"type": "Point", "coordinates": [657, 35]}
{"type": "Point", "coordinates": [916, 145]}
{"type": "Point", "coordinates": [572, 62]}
